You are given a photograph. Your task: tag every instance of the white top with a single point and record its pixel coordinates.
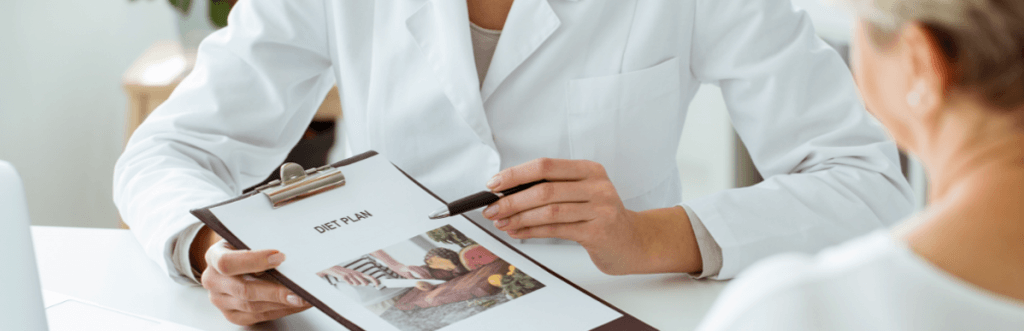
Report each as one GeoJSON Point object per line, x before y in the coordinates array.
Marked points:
{"type": "Point", "coordinates": [871, 283]}
{"type": "Point", "coordinates": [484, 43]}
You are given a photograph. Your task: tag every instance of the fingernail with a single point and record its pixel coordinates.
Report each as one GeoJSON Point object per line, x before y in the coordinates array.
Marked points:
{"type": "Point", "coordinates": [494, 181]}
{"type": "Point", "coordinates": [275, 259]}
{"type": "Point", "coordinates": [491, 210]}
{"type": "Point", "coordinates": [294, 300]}
{"type": "Point", "coordinates": [501, 223]}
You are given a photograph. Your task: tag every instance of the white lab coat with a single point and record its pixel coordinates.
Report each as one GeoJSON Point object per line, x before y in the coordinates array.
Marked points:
{"type": "Point", "coordinates": [607, 81]}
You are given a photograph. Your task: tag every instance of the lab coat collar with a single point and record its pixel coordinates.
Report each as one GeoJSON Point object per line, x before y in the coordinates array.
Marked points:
{"type": "Point", "coordinates": [529, 24]}
{"type": "Point", "coordinates": [441, 29]}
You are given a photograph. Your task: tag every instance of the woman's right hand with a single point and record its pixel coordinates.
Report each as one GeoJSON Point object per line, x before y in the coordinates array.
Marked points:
{"type": "Point", "coordinates": [243, 298]}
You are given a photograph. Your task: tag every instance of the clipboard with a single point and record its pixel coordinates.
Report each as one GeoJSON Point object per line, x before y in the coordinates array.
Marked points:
{"type": "Point", "coordinates": [297, 184]}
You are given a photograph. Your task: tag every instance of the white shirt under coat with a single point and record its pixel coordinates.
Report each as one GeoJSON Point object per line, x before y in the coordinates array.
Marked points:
{"type": "Point", "coordinates": [607, 81]}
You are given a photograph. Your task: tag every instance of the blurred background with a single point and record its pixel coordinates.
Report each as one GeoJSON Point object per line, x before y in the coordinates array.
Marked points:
{"type": "Point", "coordinates": [62, 106]}
{"type": "Point", "coordinates": [77, 76]}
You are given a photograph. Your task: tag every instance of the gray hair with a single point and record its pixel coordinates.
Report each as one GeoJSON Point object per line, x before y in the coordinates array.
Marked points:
{"type": "Point", "coordinates": [982, 40]}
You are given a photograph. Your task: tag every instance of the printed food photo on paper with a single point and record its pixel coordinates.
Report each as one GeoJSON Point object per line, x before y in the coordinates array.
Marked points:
{"type": "Point", "coordinates": [430, 281]}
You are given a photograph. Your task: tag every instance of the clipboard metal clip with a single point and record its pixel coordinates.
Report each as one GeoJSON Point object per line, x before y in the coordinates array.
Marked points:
{"type": "Point", "coordinates": [296, 183]}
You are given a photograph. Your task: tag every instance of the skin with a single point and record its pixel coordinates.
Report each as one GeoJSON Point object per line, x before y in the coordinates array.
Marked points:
{"type": "Point", "coordinates": [356, 278]}
{"type": "Point", "coordinates": [489, 14]}
{"type": "Point", "coordinates": [406, 271]}
{"type": "Point", "coordinates": [579, 203]}
{"type": "Point", "coordinates": [974, 154]}
{"type": "Point", "coordinates": [244, 297]}
{"type": "Point", "coordinates": [350, 276]}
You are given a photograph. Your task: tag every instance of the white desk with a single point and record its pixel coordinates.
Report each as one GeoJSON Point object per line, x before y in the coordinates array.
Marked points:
{"type": "Point", "coordinates": [108, 267]}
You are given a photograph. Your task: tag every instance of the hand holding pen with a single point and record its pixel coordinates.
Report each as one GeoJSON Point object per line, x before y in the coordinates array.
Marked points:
{"type": "Point", "coordinates": [542, 198]}
{"type": "Point", "coordinates": [575, 200]}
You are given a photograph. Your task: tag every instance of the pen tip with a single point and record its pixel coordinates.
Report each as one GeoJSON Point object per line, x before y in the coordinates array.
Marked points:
{"type": "Point", "coordinates": [439, 214]}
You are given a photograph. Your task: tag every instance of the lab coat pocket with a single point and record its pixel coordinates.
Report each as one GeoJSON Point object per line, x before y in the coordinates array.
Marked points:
{"type": "Point", "coordinates": [630, 123]}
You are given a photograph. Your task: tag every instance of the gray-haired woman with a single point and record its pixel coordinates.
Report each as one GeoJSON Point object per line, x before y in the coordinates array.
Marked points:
{"type": "Point", "coordinates": [947, 79]}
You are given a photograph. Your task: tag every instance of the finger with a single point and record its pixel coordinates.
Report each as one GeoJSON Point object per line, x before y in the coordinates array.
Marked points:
{"type": "Point", "coordinates": [213, 281]}
{"type": "Point", "coordinates": [246, 319]}
{"type": "Point", "coordinates": [254, 289]}
{"type": "Point", "coordinates": [227, 302]}
{"type": "Point", "coordinates": [337, 272]}
{"type": "Point", "coordinates": [352, 280]}
{"type": "Point", "coordinates": [236, 262]}
{"type": "Point", "coordinates": [567, 231]}
{"type": "Point", "coordinates": [544, 168]}
{"type": "Point", "coordinates": [333, 274]}
{"type": "Point", "coordinates": [549, 214]}
{"type": "Point", "coordinates": [241, 318]}
{"type": "Point", "coordinates": [275, 314]}
{"type": "Point", "coordinates": [372, 280]}
{"type": "Point", "coordinates": [358, 279]}
{"type": "Point", "coordinates": [540, 195]}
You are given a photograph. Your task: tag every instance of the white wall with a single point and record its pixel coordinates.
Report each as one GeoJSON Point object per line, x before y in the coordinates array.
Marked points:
{"type": "Point", "coordinates": [61, 104]}
{"type": "Point", "coordinates": [707, 153]}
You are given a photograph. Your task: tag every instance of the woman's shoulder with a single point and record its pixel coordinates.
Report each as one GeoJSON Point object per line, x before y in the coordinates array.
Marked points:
{"type": "Point", "coordinates": [869, 283]}
{"type": "Point", "coordinates": [786, 291]}
{"type": "Point", "coordinates": [795, 270]}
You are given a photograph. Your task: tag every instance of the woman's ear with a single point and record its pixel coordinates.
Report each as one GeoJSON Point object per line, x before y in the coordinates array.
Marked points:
{"type": "Point", "coordinates": [928, 70]}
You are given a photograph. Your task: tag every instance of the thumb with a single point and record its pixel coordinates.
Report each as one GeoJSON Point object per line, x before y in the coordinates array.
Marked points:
{"type": "Point", "coordinates": [231, 262]}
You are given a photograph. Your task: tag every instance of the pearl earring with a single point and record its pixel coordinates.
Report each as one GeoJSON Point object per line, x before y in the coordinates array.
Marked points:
{"type": "Point", "coordinates": [914, 98]}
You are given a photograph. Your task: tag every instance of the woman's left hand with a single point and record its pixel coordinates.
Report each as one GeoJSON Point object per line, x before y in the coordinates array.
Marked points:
{"type": "Point", "coordinates": [578, 203]}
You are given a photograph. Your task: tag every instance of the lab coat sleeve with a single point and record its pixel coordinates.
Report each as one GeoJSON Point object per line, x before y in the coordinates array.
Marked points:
{"type": "Point", "coordinates": [831, 173]}
{"type": "Point", "coordinates": [253, 91]}
{"type": "Point", "coordinates": [710, 252]}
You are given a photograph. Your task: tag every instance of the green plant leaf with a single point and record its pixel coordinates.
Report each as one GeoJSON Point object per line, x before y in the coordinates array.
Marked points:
{"type": "Point", "coordinates": [219, 10]}
{"type": "Point", "coordinates": [182, 6]}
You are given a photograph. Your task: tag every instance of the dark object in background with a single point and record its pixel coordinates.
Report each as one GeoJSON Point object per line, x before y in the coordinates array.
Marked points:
{"type": "Point", "coordinates": [310, 152]}
{"type": "Point", "coordinates": [218, 11]}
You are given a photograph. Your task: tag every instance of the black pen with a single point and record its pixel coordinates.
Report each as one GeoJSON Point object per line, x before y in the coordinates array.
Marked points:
{"type": "Point", "coordinates": [477, 200]}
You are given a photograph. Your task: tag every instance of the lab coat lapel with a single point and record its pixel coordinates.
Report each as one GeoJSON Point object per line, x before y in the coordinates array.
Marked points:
{"type": "Point", "coordinates": [529, 24]}
{"type": "Point", "coordinates": [441, 29]}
